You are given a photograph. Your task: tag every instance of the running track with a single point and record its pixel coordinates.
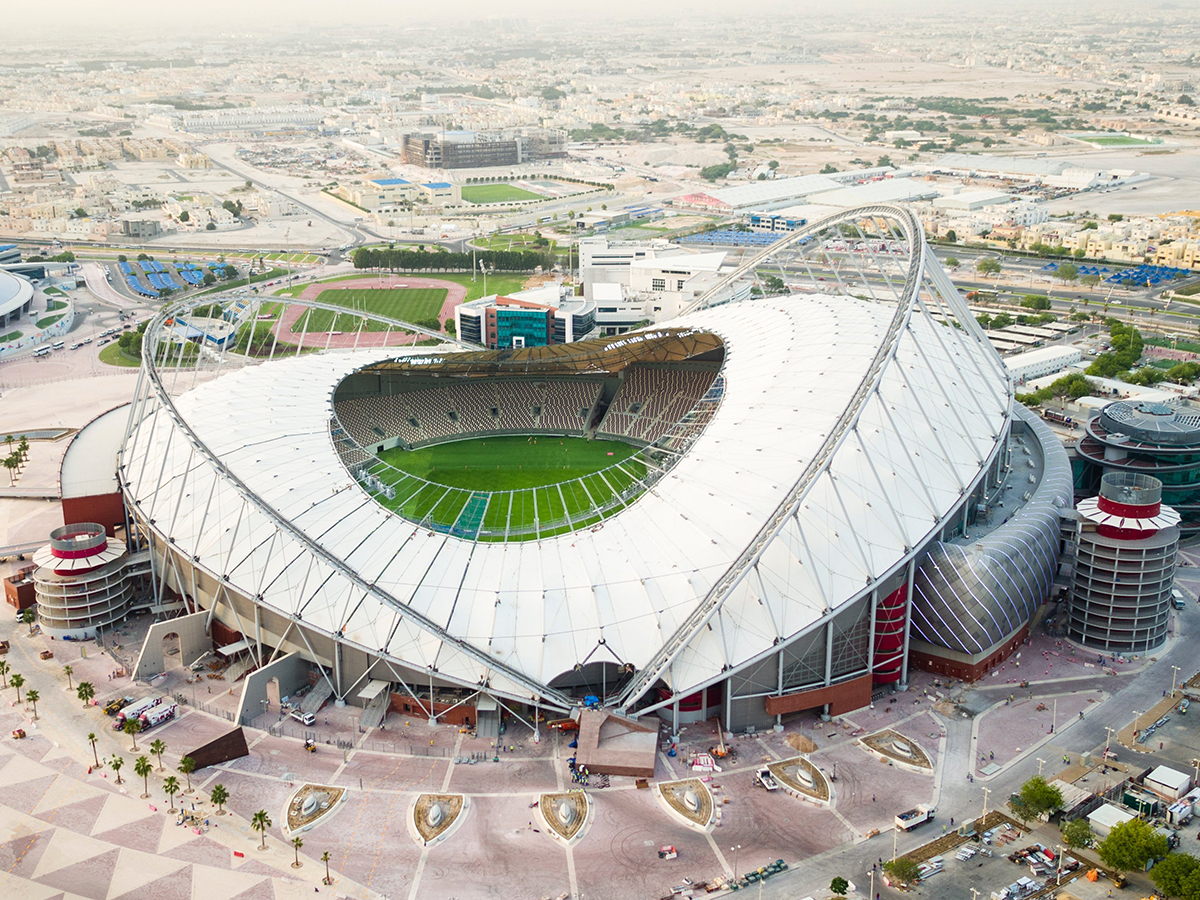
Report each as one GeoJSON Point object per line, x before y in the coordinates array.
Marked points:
{"type": "Point", "coordinates": [455, 294]}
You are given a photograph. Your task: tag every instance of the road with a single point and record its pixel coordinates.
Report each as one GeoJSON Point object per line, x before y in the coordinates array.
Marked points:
{"type": "Point", "coordinates": [958, 797]}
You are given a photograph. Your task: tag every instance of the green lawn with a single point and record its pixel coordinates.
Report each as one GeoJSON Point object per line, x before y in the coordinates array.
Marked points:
{"type": "Point", "coordinates": [405, 304]}
{"type": "Point", "coordinates": [497, 193]}
{"type": "Point", "coordinates": [1116, 140]}
{"type": "Point", "coordinates": [11, 336]}
{"type": "Point", "coordinates": [511, 242]}
{"type": "Point", "coordinates": [545, 484]}
{"type": "Point", "coordinates": [52, 305]}
{"type": "Point", "coordinates": [113, 356]}
{"type": "Point", "coordinates": [49, 320]}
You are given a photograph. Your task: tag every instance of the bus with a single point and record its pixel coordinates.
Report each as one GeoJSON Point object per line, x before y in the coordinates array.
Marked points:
{"type": "Point", "coordinates": [42, 351]}
{"type": "Point", "coordinates": [58, 345]}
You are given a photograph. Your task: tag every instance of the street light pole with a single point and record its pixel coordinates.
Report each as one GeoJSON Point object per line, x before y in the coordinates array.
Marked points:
{"type": "Point", "coordinates": [986, 792]}
{"type": "Point", "coordinates": [1107, 740]}
{"type": "Point", "coordinates": [895, 836]}
{"type": "Point", "coordinates": [1041, 762]}
{"type": "Point", "coordinates": [735, 856]}
{"type": "Point", "coordinates": [1174, 677]}
{"type": "Point", "coordinates": [1136, 716]}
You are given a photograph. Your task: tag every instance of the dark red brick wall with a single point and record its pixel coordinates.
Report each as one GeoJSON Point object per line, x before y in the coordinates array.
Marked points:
{"type": "Point", "coordinates": [954, 668]}
{"type": "Point", "coordinates": [844, 697]}
{"type": "Point", "coordinates": [103, 509]}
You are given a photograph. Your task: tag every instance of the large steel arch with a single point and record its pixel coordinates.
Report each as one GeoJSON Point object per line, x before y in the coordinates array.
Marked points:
{"type": "Point", "coordinates": [920, 287]}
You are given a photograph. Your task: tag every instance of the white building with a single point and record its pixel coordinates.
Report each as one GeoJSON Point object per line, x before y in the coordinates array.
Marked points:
{"type": "Point", "coordinates": [1168, 783]}
{"type": "Point", "coordinates": [1106, 818]}
{"type": "Point", "coordinates": [1041, 362]}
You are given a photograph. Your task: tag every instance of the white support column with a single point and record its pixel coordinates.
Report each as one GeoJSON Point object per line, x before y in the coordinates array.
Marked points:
{"type": "Point", "coordinates": [912, 574]}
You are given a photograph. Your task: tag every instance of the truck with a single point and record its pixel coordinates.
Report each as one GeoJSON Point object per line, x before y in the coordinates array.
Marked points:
{"type": "Point", "coordinates": [907, 821]}
{"type": "Point", "coordinates": [157, 715]}
{"type": "Point", "coordinates": [1177, 599]}
{"type": "Point", "coordinates": [134, 710]}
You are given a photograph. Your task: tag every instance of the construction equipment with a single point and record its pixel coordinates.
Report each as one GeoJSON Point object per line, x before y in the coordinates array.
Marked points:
{"type": "Point", "coordinates": [720, 751]}
{"type": "Point", "coordinates": [18, 733]}
{"type": "Point", "coordinates": [310, 745]}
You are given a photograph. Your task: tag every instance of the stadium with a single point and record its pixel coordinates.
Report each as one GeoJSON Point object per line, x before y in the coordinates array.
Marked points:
{"type": "Point", "coordinates": [777, 502]}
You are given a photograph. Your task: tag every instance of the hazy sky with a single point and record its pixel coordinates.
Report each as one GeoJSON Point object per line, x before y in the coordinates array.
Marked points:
{"type": "Point", "coordinates": [27, 21]}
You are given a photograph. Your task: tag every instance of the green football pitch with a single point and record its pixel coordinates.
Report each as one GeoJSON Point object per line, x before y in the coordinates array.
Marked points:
{"type": "Point", "coordinates": [515, 485]}
{"type": "Point", "coordinates": [405, 304]}
{"type": "Point", "coordinates": [497, 193]}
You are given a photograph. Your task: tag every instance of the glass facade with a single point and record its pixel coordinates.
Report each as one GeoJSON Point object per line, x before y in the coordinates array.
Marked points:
{"type": "Point", "coordinates": [530, 325]}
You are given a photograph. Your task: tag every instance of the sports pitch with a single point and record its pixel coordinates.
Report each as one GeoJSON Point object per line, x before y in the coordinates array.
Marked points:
{"type": "Point", "coordinates": [405, 304]}
{"type": "Point", "coordinates": [522, 486]}
{"type": "Point", "coordinates": [497, 193]}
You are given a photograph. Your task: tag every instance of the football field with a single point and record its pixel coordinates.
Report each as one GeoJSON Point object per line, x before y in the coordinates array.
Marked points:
{"type": "Point", "coordinates": [406, 304]}
{"type": "Point", "coordinates": [515, 485]}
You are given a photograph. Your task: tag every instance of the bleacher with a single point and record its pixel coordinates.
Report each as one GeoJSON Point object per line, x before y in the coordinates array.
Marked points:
{"type": "Point", "coordinates": [650, 401]}
{"type": "Point", "coordinates": [424, 416]}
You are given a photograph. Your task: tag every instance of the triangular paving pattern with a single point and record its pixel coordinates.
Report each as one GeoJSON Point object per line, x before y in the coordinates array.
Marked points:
{"type": "Point", "coordinates": [176, 886]}
{"type": "Point", "coordinates": [120, 811]}
{"type": "Point", "coordinates": [213, 885]}
{"type": "Point", "coordinates": [90, 878]}
{"type": "Point", "coordinates": [79, 817]}
{"type": "Point", "coordinates": [203, 850]}
{"type": "Point", "coordinates": [14, 886]}
{"type": "Point", "coordinates": [144, 834]}
{"type": "Point", "coordinates": [67, 848]}
{"type": "Point", "coordinates": [18, 768]}
{"type": "Point", "coordinates": [257, 867]}
{"type": "Point", "coordinates": [264, 890]}
{"type": "Point", "coordinates": [21, 854]}
{"type": "Point", "coordinates": [25, 796]}
{"type": "Point", "coordinates": [135, 870]}
{"type": "Point", "coordinates": [66, 790]}
{"type": "Point", "coordinates": [174, 836]}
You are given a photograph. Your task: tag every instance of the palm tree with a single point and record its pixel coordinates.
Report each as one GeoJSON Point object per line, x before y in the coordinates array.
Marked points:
{"type": "Point", "coordinates": [33, 697]}
{"type": "Point", "coordinates": [18, 681]}
{"type": "Point", "coordinates": [158, 748]}
{"type": "Point", "coordinates": [68, 671]}
{"type": "Point", "coordinates": [116, 762]}
{"type": "Point", "coordinates": [325, 859]}
{"type": "Point", "coordinates": [28, 616]}
{"type": "Point", "coordinates": [219, 796]}
{"type": "Point", "coordinates": [297, 843]}
{"type": "Point", "coordinates": [260, 822]}
{"type": "Point", "coordinates": [171, 786]}
{"type": "Point", "coordinates": [4, 669]}
{"type": "Point", "coordinates": [143, 767]}
{"type": "Point", "coordinates": [132, 727]}
{"type": "Point", "coordinates": [23, 447]}
{"type": "Point", "coordinates": [85, 692]}
{"type": "Point", "coordinates": [92, 741]}
{"type": "Point", "coordinates": [187, 766]}
{"type": "Point", "coordinates": [10, 463]}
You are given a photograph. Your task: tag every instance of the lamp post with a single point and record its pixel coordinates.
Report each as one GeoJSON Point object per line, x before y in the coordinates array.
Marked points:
{"type": "Point", "coordinates": [895, 837]}
{"type": "Point", "coordinates": [1041, 762]}
{"type": "Point", "coordinates": [1174, 678]}
{"type": "Point", "coordinates": [1107, 740]}
{"type": "Point", "coordinates": [986, 792]}
{"type": "Point", "coordinates": [1136, 716]}
{"type": "Point", "coordinates": [735, 856]}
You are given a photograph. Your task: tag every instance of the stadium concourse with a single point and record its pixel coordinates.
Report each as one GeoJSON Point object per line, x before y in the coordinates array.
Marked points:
{"type": "Point", "coordinates": [817, 489]}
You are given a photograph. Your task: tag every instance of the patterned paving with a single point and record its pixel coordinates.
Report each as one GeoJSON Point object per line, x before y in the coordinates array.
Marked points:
{"type": "Point", "coordinates": [68, 835]}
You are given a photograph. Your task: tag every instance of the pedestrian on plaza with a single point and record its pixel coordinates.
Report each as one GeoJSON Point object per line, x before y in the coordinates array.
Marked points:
{"type": "Point", "coordinates": [872, 798]}
{"type": "Point", "coordinates": [991, 754]}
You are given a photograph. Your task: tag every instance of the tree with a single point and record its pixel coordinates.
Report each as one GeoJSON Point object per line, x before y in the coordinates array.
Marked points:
{"type": "Point", "coordinates": [10, 463]}
{"type": "Point", "coordinates": [219, 797]}
{"type": "Point", "coordinates": [143, 768]}
{"type": "Point", "coordinates": [325, 859]}
{"type": "Point", "coordinates": [1036, 799]}
{"type": "Point", "coordinates": [131, 728]}
{"type": "Point", "coordinates": [184, 216]}
{"type": "Point", "coordinates": [1172, 871]}
{"type": "Point", "coordinates": [211, 226]}
{"type": "Point", "coordinates": [839, 886]}
{"type": "Point", "coordinates": [80, 212]}
{"type": "Point", "coordinates": [1067, 272]}
{"type": "Point", "coordinates": [1002, 320]}
{"type": "Point", "coordinates": [1035, 301]}
{"type": "Point", "coordinates": [158, 748]}
{"type": "Point", "coordinates": [902, 869]}
{"type": "Point", "coordinates": [17, 681]}
{"type": "Point", "coordinates": [260, 822]}
{"type": "Point", "coordinates": [28, 617]}
{"type": "Point", "coordinates": [297, 843]}
{"type": "Point", "coordinates": [953, 262]}
{"type": "Point", "coordinates": [171, 787]}
{"type": "Point", "coordinates": [4, 669]}
{"type": "Point", "coordinates": [209, 277]}
{"type": "Point", "coordinates": [988, 266]}
{"type": "Point", "coordinates": [1090, 280]}
{"type": "Point", "coordinates": [1130, 845]}
{"type": "Point", "coordinates": [115, 763]}
{"type": "Point", "coordinates": [68, 671]}
{"type": "Point", "coordinates": [187, 766]}
{"type": "Point", "coordinates": [92, 740]}
{"type": "Point", "coordinates": [33, 697]}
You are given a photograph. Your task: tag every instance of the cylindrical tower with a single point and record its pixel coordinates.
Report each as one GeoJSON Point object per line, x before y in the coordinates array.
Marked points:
{"type": "Point", "coordinates": [889, 636]}
{"type": "Point", "coordinates": [81, 581]}
{"type": "Point", "coordinates": [1125, 565]}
